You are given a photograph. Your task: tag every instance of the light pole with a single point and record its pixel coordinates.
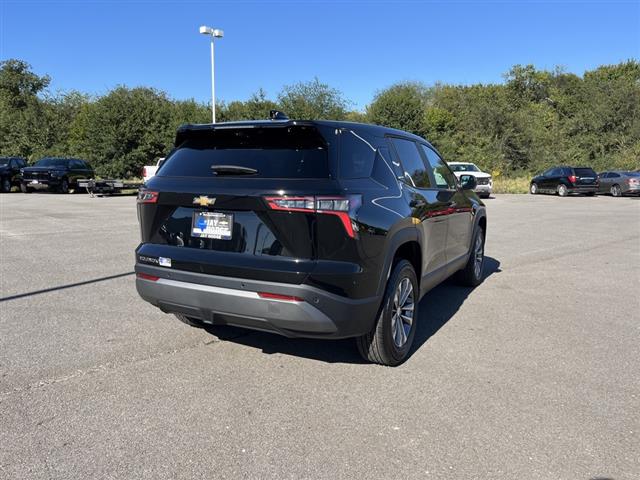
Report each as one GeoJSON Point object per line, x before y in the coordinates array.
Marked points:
{"type": "Point", "coordinates": [214, 33]}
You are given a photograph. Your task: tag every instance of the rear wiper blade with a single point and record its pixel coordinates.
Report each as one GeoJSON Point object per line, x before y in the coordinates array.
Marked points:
{"type": "Point", "coordinates": [233, 170]}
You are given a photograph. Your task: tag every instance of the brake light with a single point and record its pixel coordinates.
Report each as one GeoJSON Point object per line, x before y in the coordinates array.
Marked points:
{"type": "Point", "coordinates": [277, 296]}
{"type": "Point", "coordinates": [573, 178]}
{"type": "Point", "coordinates": [344, 207]}
{"type": "Point", "coordinates": [632, 180]}
{"type": "Point", "coordinates": [146, 276]}
{"type": "Point", "coordinates": [147, 196]}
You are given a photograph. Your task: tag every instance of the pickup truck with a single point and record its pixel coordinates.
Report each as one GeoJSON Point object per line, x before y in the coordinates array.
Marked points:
{"type": "Point", "coordinates": [149, 171]}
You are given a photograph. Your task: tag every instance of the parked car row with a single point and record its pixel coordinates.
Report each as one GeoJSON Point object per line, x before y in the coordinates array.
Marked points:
{"type": "Point", "coordinates": [49, 173]}
{"type": "Point", "coordinates": [564, 181]}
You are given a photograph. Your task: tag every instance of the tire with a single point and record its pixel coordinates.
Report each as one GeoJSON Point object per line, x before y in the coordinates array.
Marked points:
{"type": "Point", "coordinates": [533, 189]}
{"type": "Point", "coordinates": [563, 191]}
{"type": "Point", "coordinates": [5, 185]}
{"type": "Point", "coordinates": [590, 194]}
{"type": "Point", "coordinates": [64, 186]}
{"type": "Point", "coordinates": [473, 272]}
{"type": "Point", "coordinates": [616, 191]}
{"type": "Point", "coordinates": [385, 344]}
{"type": "Point", "coordinates": [192, 322]}
{"type": "Point", "coordinates": [24, 188]}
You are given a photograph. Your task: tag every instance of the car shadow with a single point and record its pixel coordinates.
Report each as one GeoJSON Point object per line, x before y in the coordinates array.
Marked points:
{"type": "Point", "coordinates": [436, 308]}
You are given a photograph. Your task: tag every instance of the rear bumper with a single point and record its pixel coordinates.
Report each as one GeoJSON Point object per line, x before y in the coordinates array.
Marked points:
{"type": "Point", "coordinates": [583, 189]}
{"type": "Point", "coordinates": [230, 301]}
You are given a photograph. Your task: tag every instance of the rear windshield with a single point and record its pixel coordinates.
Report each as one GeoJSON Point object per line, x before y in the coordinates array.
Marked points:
{"type": "Point", "coordinates": [273, 152]}
{"type": "Point", "coordinates": [584, 172]}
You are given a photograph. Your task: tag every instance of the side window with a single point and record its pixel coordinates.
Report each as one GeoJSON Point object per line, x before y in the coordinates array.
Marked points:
{"type": "Point", "coordinates": [441, 173]}
{"type": "Point", "coordinates": [614, 175]}
{"type": "Point", "coordinates": [13, 163]}
{"type": "Point", "coordinates": [356, 155]}
{"type": "Point", "coordinates": [566, 172]}
{"type": "Point", "coordinates": [556, 172]}
{"type": "Point", "coordinates": [414, 168]}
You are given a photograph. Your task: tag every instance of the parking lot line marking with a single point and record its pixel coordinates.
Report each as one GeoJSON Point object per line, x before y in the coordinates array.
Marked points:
{"type": "Point", "coordinates": [62, 287]}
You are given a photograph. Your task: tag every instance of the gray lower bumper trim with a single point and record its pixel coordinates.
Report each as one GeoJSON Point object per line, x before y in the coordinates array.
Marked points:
{"type": "Point", "coordinates": [247, 308]}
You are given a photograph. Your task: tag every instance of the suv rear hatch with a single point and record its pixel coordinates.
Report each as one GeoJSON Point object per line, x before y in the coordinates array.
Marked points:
{"type": "Point", "coordinates": [583, 177]}
{"type": "Point", "coordinates": [244, 201]}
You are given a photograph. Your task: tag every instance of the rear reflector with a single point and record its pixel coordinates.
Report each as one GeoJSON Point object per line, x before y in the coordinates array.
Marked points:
{"type": "Point", "coordinates": [343, 207]}
{"type": "Point", "coordinates": [146, 276]}
{"type": "Point", "coordinates": [277, 296]}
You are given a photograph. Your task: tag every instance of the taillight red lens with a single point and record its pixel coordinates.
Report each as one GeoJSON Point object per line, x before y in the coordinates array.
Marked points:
{"type": "Point", "coordinates": [277, 296]}
{"type": "Point", "coordinates": [147, 196]}
{"type": "Point", "coordinates": [344, 207]}
{"type": "Point", "coordinates": [573, 178]}
{"type": "Point", "coordinates": [146, 276]}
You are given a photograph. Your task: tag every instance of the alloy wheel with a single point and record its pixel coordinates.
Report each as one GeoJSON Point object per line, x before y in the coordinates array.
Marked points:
{"type": "Point", "coordinates": [562, 190]}
{"type": "Point", "coordinates": [615, 191]}
{"type": "Point", "coordinates": [402, 312]}
{"type": "Point", "coordinates": [478, 256]}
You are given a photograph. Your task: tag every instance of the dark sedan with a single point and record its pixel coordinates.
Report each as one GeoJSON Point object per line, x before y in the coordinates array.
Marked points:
{"type": "Point", "coordinates": [619, 183]}
{"type": "Point", "coordinates": [58, 174]}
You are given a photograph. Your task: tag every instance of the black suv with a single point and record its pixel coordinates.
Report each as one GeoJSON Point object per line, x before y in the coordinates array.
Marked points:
{"type": "Point", "coordinates": [10, 172]}
{"type": "Point", "coordinates": [565, 180]}
{"type": "Point", "coordinates": [306, 228]}
{"type": "Point", "coordinates": [60, 174]}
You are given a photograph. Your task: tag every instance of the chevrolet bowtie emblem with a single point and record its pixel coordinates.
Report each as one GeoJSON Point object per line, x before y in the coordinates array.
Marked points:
{"type": "Point", "coordinates": [204, 201]}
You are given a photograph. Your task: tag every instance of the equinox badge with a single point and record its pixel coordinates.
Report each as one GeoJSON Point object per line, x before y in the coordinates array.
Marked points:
{"type": "Point", "coordinates": [204, 201]}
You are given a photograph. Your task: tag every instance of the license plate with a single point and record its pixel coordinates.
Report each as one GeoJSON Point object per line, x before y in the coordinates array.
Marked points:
{"type": "Point", "coordinates": [212, 225]}
{"type": "Point", "coordinates": [34, 181]}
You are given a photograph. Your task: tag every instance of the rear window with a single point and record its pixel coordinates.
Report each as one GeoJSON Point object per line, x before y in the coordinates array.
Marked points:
{"type": "Point", "coordinates": [584, 172]}
{"type": "Point", "coordinates": [356, 156]}
{"type": "Point", "coordinates": [274, 152]}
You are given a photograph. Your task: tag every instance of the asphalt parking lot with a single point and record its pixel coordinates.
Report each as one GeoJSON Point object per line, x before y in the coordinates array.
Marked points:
{"type": "Point", "coordinates": [534, 374]}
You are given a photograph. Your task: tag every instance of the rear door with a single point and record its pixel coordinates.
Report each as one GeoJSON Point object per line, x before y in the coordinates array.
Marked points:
{"type": "Point", "coordinates": [247, 202]}
{"type": "Point", "coordinates": [426, 202]}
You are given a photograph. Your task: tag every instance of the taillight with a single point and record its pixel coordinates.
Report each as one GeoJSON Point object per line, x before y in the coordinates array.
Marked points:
{"type": "Point", "coordinates": [147, 196]}
{"type": "Point", "coordinates": [632, 180]}
{"type": "Point", "coordinates": [573, 178]}
{"type": "Point", "coordinates": [277, 296]}
{"type": "Point", "coordinates": [344, 207]}
{"type": "Point", "coordinates": [146, 276]}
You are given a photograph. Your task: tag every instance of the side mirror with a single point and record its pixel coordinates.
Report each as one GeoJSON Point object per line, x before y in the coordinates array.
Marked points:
{"type": "Point", "coordinates": [468, 182]}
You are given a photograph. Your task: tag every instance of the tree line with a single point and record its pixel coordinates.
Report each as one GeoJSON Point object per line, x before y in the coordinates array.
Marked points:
{"type": "Point", "coordinates": [533, 120]}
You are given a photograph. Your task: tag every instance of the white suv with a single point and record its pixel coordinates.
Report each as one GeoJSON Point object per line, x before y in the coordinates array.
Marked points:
{"type": "Point", "coordinates": [484, 180]}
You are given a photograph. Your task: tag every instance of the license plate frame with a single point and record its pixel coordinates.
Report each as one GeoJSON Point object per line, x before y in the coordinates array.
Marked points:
{"type": "Point", "coordinates": [212, 225]}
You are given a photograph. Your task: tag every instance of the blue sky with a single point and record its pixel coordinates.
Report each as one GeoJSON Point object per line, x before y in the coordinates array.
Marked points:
{"type": "Point", "coordinates": [358, 47]}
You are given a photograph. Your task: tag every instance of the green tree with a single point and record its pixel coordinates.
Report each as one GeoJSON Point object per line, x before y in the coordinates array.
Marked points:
{"type": "Point", "coordinates": [313, 101]}
{"type": "Point", "coordinates": [401, 106]}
